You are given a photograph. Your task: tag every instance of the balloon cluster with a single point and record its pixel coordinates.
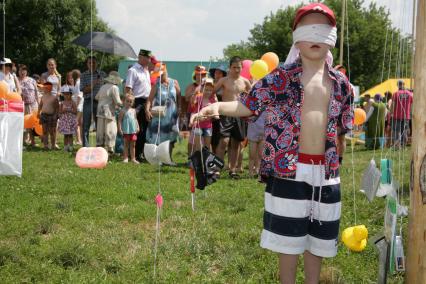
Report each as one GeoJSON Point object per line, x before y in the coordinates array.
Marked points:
{"type": "Point", "coordinates": [30, 120]}
{"type": "Point", "coordinates": [261, 67]}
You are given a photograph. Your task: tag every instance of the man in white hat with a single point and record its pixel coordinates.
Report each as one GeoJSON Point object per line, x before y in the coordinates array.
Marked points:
{"type": "Point", "coordinates": [7, 75]}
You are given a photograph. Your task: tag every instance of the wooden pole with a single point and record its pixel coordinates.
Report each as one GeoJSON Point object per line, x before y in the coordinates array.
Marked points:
{"type": "Point", "coordinates": [416, 258]}
{"type": "Point", "coordinates": [342, 32]}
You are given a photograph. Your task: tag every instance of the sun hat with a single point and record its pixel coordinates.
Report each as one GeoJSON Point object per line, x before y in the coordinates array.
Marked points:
{"type": "Point", "coordinates": [199, 69]}
{"type": "Point", "coordinates": [221, 68]}
{"type": "Point", "coordinates": [5, 61]}
{"type": "Point", "coordinates": [314, 8]}
{"type": "Point", "coordinates": [46, 86]}
{"type": "Point", "coordinates": [208, 81]}
{"type": "Point", "coordinates": [66, 89]}
{"type": "Point", "coordinates": [113, 78]}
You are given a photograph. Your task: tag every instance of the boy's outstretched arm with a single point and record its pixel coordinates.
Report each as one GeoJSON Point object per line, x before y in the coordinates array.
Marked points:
{"type": "Point", "coordinates": [234, 109]}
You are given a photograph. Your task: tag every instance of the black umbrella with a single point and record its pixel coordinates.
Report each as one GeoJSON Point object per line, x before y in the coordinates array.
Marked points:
{"type": "Point", "coordinates": [105, 42]}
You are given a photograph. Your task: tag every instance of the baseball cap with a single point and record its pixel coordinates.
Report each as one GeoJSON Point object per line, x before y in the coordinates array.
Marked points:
{"type": "Point", "coordinates": [314, 8]}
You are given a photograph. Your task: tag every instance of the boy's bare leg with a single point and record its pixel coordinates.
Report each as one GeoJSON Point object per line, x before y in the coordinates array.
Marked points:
{"type": "Point", "coordinates": [288, 267]}
{"type": "Point", "coordinates": [221, 148]}
{"type": "Point", "coordinates": [252, 157]}
{"type": "Point", "coordinates": [53, 138]}
{"type": "Point", "coordinates": [312, 267]}
{"type": "Point", "coordinates": [45, 137]}
{"type": "Point", "coordinates": [207, 140]}
{"type": "Point", "coordinates": [233, 154]}
{"type": "Point", "coordinates": [197, 143]}
{"type": "Point", "coordinates": [240, 167]}
{"type": "Point", "coordinates": [259, 154]}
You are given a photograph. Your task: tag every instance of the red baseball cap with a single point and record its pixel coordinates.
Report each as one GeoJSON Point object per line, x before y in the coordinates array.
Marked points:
{"type": "Point", "coordinates": [314, 8]}
{"type": "Point", "coordinates": [154, 60]}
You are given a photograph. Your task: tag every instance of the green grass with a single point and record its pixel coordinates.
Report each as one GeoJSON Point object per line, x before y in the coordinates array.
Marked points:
{"type": "Point", "coordinates": [60, 223]}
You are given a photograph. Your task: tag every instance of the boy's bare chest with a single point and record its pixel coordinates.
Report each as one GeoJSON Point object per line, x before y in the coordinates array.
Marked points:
{"type": "Point", "coordinates": [234, 87]}
{"type": "Point", "coordinates": [316, 95]}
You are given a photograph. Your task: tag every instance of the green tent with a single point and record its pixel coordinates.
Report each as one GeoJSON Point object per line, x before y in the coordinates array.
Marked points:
{"type": "Point", "coordinates": [179, 70]}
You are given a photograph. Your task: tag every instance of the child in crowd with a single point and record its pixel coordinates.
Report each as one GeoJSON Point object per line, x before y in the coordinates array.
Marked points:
{"type": "Point", "coordinates": [255, 135]}
{"type": "Point", "coordinates": [77, 97]}
{"type": "Point", "coordinates": [48, 115]}
{"type": "Point", "coordinates": [67, 124]}
{"type": "Point", "coordinates": [202, 130]}
{"type": "Point", "coordinates": [128, 127]}
{"type": "Point", "coordinates": [308, 110]}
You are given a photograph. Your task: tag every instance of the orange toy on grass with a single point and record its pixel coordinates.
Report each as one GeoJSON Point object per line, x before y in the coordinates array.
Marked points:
{"type": "Point", "coordinates": [91, 158]}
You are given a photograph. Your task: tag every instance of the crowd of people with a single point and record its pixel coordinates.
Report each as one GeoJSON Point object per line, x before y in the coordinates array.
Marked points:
{"type": "Point", "coordinates": [152, 109]}
{"type": "Point", "coordinates": [388, 121]}
{"type": "Point", "coordinates": [148, 107]}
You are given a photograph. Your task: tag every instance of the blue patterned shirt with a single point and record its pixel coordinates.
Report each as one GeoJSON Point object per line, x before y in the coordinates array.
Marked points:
{"type": "Point", "coordinates": [280, 95]}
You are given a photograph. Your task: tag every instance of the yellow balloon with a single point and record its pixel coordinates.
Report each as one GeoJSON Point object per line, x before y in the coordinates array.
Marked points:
{"type": "Point", "coordinates": [259, 69]}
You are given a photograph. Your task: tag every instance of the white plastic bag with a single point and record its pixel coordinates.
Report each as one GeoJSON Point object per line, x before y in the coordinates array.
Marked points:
{"type": "Point", "coordinates": [11, 131]}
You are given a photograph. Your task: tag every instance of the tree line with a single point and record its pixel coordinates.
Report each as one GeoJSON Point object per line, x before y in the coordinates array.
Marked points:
{"type": "Point", "coordinates": [369, 28]}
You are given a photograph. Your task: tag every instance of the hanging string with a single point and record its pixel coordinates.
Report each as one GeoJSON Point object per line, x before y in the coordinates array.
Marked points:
{"type": "Point", "coordinates": [197, 122]}
{"type": "Point", "coordinates": [352, 107]}
{"type": "Point", "coordinates": [91, 69]}
{"type": "Point", "coordinates": [158, 139]}
{"type": "Point", "coordinates": [4, 28]}
{"type": "Point", "coordinates": [381, 80]}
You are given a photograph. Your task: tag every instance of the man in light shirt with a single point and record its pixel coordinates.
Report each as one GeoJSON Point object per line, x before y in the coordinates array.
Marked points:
{"type": "Point", "coordinates": [138, 83]}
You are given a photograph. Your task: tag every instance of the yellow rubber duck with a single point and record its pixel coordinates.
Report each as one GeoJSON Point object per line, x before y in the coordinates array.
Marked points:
{"type": "Point", "coordinates": [355, 238]}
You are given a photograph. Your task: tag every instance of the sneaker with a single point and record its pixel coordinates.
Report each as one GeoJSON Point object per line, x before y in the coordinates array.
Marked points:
{"type": "Point", "coordinates": [125, 160]}
{"type": "Point", "coordinates": [135, 161]}
{"type": "Point", "coordinates": [56, 147]}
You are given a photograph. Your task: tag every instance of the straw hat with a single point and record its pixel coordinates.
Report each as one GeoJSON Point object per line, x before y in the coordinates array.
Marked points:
{"type": "Point", "coordinates": [113, 78]}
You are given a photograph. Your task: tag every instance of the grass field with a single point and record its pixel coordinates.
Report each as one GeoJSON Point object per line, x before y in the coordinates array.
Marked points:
{"type": "Point", "coordinates": [63, 224]}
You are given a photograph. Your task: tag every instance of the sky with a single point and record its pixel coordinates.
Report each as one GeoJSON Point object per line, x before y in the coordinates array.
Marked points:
{"type": "Point", "coordinates": [199, 30]}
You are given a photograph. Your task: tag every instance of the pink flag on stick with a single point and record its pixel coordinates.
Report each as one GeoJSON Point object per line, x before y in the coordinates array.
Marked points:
{"type": "Point", "coordinates": [159, 200]}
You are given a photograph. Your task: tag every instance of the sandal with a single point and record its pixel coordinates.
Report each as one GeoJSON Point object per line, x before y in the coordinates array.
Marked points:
{"type": "Point", "coordinates": [234, 175]}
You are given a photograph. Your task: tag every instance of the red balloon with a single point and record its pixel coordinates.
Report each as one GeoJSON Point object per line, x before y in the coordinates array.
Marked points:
{"type": "Point", "coordinates": [245, 71]}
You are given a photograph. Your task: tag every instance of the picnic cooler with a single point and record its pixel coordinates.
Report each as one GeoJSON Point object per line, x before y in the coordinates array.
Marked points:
{"type": "Point", "coordinates": [11, 136]}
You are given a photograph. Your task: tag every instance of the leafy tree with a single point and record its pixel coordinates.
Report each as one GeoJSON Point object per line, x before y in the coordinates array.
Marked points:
{"type": "Point", "coordinates": [40, 29]}
{"type": "Point", "coordinates": [368, 29]}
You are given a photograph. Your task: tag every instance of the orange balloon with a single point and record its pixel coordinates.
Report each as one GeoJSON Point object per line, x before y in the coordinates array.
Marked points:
{"type": "Point", "coordinates": [38, 128]}
{"type": "Point", "coordinates": [29, 121]}
{"type": "Point", "coordinates": [4, 89]}
{"type": "Point", "coordinates": [359, 116]}
{"type": "Point", "coordinates": [271, 59]}
{"type": "Point", "coordinates": [12, 96]}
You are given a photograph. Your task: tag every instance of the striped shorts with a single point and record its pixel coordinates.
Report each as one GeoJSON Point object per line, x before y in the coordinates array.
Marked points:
{"type": "Point", "coordinates": [303, 214]}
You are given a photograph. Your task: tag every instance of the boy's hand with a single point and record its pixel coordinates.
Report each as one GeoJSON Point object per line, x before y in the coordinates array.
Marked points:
{"type": "Point", "coordinates": [211, 111]}
{"type": "Point", "coordinates": [148, 115]}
